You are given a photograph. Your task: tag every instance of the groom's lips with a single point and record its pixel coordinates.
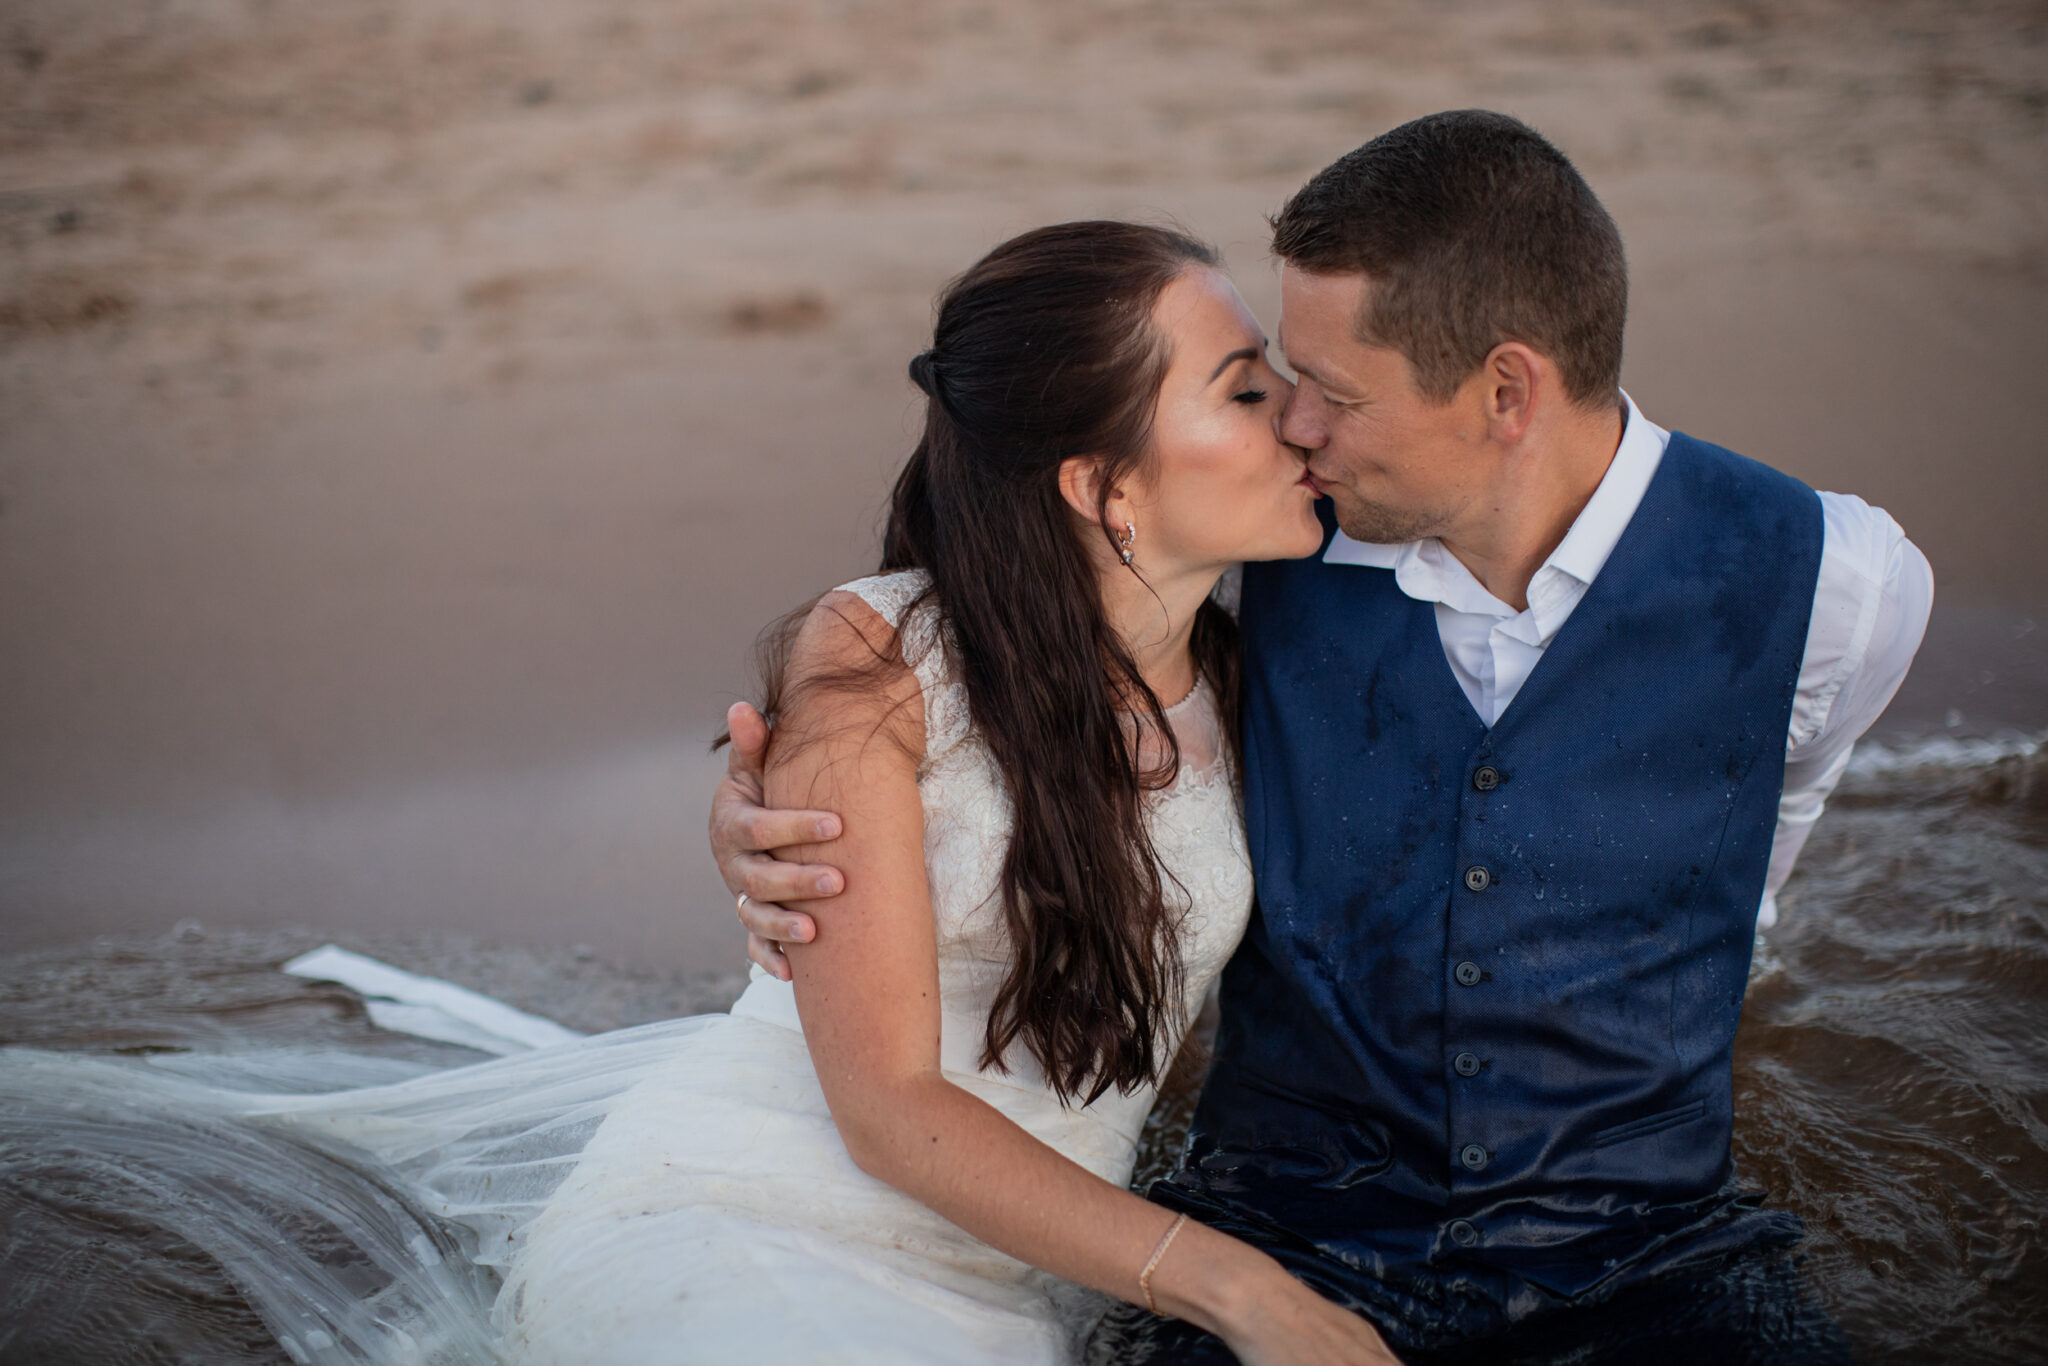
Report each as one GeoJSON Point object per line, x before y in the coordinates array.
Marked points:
{"type": "Point", "coordinates": [1310, 481]}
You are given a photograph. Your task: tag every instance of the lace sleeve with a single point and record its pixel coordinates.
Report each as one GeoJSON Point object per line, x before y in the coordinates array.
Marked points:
{"type": "Point", "coordinates": [920, 626]}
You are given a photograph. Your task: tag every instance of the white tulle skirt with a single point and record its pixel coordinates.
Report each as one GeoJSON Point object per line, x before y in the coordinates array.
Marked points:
{"type": "Point", "coordinates": [674, 1193]}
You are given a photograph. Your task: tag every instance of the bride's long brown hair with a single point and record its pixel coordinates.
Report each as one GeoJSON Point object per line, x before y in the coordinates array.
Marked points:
{"type": "Point", "coordinates": [1045, 350]}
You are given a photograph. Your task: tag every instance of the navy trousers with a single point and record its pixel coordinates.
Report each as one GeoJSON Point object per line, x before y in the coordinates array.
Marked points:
{"type": "Point", "coordinates": [1750, 1308]}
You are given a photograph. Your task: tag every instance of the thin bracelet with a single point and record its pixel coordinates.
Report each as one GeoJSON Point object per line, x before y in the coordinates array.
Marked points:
{"type": "Point", "coordinates": [1165, 1241]}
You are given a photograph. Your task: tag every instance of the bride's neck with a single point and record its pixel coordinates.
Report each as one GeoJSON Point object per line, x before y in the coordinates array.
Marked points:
{"type": "Point", "coordinates": [1155, 616]}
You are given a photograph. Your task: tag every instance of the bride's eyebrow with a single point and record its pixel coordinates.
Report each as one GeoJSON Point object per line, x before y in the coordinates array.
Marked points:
{"type": "Point", "coordinates": [1242, 353]}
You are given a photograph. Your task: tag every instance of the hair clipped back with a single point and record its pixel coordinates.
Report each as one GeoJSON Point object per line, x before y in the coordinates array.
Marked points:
{"type": "Point", "coordinates": [1474, 231]}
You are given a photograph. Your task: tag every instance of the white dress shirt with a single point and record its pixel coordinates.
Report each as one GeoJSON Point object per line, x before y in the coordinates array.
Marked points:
{"type": "Point", "coordinates": [1869, 611]}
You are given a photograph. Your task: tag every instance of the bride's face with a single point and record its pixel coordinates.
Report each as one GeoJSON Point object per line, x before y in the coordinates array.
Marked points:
{"type": "Point", "coordinates": [1218, 485]}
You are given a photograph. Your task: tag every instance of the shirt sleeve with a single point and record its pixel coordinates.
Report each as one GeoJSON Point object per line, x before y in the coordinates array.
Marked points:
{"type": "Point", "coordinates": [1870, 610]}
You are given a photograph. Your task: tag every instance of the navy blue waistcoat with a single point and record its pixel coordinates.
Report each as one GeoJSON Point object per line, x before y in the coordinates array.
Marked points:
{"type": "Point", "coordinates": [1477, 1040]}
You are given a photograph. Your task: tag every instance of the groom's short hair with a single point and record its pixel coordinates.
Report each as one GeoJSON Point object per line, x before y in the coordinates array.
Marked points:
{"type": "Point", "coordinates": [1474, 231]}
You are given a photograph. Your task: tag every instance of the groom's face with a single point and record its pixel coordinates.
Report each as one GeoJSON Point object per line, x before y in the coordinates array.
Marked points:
{"type": "Point", "coordinates": [1397, 465]}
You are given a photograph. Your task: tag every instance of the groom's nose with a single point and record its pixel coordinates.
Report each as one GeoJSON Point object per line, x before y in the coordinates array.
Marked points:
{"type": "Point", "coordinates": [1304, 418]}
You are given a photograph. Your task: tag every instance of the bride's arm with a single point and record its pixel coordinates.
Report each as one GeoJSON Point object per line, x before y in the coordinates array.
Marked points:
{"type": "Point", "coordinates": [868, 991]}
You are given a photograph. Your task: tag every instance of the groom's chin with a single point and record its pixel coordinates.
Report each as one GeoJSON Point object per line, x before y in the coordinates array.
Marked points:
{"type": "Point", "coordinates": [1378, 524]}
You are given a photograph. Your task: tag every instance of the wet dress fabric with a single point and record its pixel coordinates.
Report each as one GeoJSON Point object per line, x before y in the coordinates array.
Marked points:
{"type": "Point", "coordinates": [670, 1194]}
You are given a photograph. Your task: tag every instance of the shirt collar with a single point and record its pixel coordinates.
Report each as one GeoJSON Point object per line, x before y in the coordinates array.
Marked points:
{"type": "Point", "coordinates": [1426, 571]}
{"type": "Point", "coordinates": [1598, 527]}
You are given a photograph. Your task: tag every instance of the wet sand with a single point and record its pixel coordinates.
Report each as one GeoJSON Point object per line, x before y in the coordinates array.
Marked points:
{"type": "Point", "coordinates": [409, 413]}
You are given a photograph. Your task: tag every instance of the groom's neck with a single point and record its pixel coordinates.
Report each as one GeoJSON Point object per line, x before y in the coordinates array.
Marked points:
{"type": "Point", "coordinates": [1543, 483]}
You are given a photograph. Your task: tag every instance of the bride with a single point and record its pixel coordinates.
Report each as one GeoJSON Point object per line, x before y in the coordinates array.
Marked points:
{"type": "Point", "coordinates": [918, 1149]}
{"type": "Point", "coordinates": [1043, 866]}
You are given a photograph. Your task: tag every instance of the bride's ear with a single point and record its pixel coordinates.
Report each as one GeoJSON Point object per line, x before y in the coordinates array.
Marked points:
{"type": "Point", "coordinates": [1081, 486]}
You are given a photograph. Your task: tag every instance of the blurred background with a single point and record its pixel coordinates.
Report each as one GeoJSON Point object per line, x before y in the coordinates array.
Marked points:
{"type": "Point", "coordinates": [410, 409]}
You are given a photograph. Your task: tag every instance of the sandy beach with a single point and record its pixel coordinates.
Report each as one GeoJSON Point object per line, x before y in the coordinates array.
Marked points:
{"type": "Point", "coordinates": [409, 412]}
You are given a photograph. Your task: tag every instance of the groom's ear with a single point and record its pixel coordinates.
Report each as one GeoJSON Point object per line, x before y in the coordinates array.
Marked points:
{"type": "Point", "coordinates": [1514, 380]}
{"type": "Point", "coordinates": [1081, 486]}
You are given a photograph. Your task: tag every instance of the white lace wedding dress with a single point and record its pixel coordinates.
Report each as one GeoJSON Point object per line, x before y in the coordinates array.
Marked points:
{"type": "Point", "coordinates": [677, 1193]}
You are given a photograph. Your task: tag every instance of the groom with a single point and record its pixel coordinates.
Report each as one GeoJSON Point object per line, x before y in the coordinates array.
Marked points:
{"type": "Point", "coordinates": [1529, 750]}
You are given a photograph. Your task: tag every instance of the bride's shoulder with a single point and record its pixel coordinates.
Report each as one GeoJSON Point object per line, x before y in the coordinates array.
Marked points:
{"type": "Point", "coordinates": [846, 670]}
{"type": "Point", "coordinates": [906, 602]}
{"type": "Point", "coordinates": [923, 642]}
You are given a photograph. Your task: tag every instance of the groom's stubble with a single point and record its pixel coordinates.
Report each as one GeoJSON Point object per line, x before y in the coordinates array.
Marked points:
{"type": "Point", "coordinates": [1381, 524]}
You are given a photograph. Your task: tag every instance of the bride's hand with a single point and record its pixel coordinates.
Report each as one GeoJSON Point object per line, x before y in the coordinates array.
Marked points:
{"type": "Point", "coordinates": [1291, 1325]}
{"type": "Point", "coordinates": [1253, 1303]}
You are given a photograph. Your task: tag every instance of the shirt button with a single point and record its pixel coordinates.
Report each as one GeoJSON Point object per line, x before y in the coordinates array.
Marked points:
{"type": "Point", "coordinates": [1487, 778]}
{"type": "Point", "coordinates": [1467, 1064]}
{"type": "Point", "coordinates": [1462, 1233]}
{"type": "Point", "coordinates": [1468, 974]}
{"type": "Point", "coordinates": [1477, 878]}
{"type": "Point", "coordinates": [1473, 1156]}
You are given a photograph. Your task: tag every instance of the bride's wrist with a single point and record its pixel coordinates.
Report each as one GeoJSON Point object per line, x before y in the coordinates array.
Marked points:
{"type": "Point", "coordinates": [1216, 1282]}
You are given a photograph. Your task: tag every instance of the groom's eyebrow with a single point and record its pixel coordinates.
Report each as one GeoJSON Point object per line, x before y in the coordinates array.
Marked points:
{"type": "Point", "coordinates": [1242, 353]}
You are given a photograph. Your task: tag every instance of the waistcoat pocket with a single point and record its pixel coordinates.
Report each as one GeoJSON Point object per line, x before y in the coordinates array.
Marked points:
{"type": "Point", "coordinates": [1649, 1124]}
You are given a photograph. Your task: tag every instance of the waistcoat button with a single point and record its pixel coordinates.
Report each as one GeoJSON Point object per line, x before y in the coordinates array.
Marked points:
{"type": "Point", "coordinates": [1473, 1156]}
{"type": "Point", "coordinates": [1462, 1233]}
{"type": "Point", "coordinates": [1487, 778]}
{"type": "Point", "coordinates": [1467, 1064]}
{"type": "Point", "coordinates": [1477, 878]}
{"type": "Point", "coordinates": [1468, 974]}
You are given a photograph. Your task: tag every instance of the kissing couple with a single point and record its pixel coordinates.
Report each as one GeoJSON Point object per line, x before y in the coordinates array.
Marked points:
{"type": "Point", "coordinates": [1454, 722]}
{"type": "Point", "coordinates": [1475, 790]}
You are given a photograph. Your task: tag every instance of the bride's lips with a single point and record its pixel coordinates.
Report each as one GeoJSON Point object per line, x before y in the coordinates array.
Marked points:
{"type": "Point", "coordinates": [1308, 481]}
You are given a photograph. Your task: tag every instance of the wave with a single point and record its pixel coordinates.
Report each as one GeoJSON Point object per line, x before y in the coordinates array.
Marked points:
{"type": "Point", "coordinates": [2003, 768]}
{"type": "Point", "coordinates": [1874, 759]}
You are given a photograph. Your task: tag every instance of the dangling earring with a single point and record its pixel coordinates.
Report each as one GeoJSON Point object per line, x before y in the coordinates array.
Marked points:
{"type": "Point", "coordinates": [1126, 541]}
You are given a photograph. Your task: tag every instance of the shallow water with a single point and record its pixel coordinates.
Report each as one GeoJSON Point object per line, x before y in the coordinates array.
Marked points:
{"type": "Point", "coordinates": [1892, 1067]}
{"type": "Point", "coordinates": [1891, 1078]}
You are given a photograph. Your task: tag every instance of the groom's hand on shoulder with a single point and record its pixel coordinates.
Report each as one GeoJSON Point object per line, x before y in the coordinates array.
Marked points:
{"type": "Point", "coordinates": [745, 834]}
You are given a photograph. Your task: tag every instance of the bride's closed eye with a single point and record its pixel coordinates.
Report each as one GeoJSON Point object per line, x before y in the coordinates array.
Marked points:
{"type": "Point", "coordinates": [1249, 396]}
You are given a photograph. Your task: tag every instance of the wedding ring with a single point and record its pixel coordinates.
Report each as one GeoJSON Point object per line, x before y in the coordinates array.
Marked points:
{"type": "Point", "coordinates": [742, 902]}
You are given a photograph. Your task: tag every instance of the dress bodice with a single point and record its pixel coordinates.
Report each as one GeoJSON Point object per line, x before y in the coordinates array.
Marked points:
{"type": "Point", "coordinates": [1197, 834]}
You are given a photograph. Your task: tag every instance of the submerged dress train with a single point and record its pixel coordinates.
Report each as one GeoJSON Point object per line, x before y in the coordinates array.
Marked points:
{"type": "Point", "coordinates": [675, 1193]}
